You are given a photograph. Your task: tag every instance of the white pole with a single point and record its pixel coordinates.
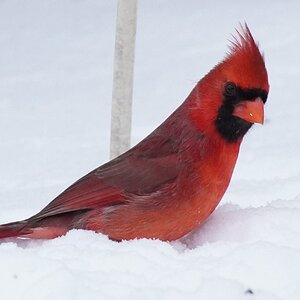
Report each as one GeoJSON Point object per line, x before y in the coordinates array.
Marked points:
{"type": "Point", "coordinates": [123, 77]}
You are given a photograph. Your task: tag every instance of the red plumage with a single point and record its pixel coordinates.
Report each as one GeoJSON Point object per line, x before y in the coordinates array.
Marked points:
{"type": "Point", "coordinates": [172, 180]}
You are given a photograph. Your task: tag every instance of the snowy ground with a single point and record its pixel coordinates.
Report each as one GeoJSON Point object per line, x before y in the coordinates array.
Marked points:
{"type": "Point", "coordinates": [55, 92]}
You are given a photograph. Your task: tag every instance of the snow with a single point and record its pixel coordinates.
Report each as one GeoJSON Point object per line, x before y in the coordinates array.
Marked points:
{"type": "Point", "coordinates": [55, 95]}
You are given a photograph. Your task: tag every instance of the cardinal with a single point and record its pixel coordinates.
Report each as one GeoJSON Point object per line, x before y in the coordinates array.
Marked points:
{"type": "Point", "coordinates": [170, 182]}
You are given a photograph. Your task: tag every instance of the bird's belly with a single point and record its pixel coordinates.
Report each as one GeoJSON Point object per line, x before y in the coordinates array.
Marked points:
{"type": "Point", "coordinates": [181, 215]}
{"type": "Point", "coordinates": [169, 216]}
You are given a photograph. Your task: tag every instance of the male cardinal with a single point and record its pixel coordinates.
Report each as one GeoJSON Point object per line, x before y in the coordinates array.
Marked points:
{"type": "Point", "coordinates": [172, 180]}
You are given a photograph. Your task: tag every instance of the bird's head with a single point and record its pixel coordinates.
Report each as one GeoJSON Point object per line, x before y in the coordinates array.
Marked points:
{"type": "Point", "coordinates": [231, 97]}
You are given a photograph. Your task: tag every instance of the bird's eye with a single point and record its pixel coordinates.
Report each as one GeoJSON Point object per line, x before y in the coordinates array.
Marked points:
{"type": "Point", "coordinates": [230, 89]}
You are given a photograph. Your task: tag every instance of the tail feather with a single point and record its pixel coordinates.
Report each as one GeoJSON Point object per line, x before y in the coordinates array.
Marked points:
{"type": "Point", "coordinates": [43, 228]}
{"type": "Point", "coordinates": [24, 229]}
{"type": "Point", "coordinates": [14, 229]}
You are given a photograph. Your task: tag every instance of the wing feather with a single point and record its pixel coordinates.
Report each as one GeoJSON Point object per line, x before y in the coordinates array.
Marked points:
{"type": "Point", "coordinates": [143, 170]}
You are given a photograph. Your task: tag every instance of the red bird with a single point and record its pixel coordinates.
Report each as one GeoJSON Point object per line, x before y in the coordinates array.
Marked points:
{"type": "Point", "coordinates": [170, 182]}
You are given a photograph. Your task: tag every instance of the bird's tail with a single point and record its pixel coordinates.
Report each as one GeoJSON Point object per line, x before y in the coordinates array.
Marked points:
{"type": "Point", "coordinates": [14, 229]}
{"type": "Point", "coordinates": [32, 230]}
{"type": "Point", "coordinates": [48, 227]}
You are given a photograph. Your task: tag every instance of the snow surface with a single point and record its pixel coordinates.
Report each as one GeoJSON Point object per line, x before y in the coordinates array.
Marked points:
{"type": "Point", "coordinates": [55, 92]}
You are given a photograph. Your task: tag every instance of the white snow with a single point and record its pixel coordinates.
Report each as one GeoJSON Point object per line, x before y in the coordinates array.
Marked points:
{"type": "Point", "coordinates": [55, 94]}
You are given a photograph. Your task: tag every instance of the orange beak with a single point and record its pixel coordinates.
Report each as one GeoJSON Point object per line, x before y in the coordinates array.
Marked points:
{"type": "Point", "coordinates": [250, 111]}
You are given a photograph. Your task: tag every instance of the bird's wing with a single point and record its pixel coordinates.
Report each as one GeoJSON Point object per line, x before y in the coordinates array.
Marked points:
{"type": "Point", "coordinates": [145, 169]}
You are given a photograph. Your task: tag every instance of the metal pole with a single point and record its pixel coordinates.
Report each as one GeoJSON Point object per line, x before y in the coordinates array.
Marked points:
{"type": "Point", "coordinates": [123, 77]}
